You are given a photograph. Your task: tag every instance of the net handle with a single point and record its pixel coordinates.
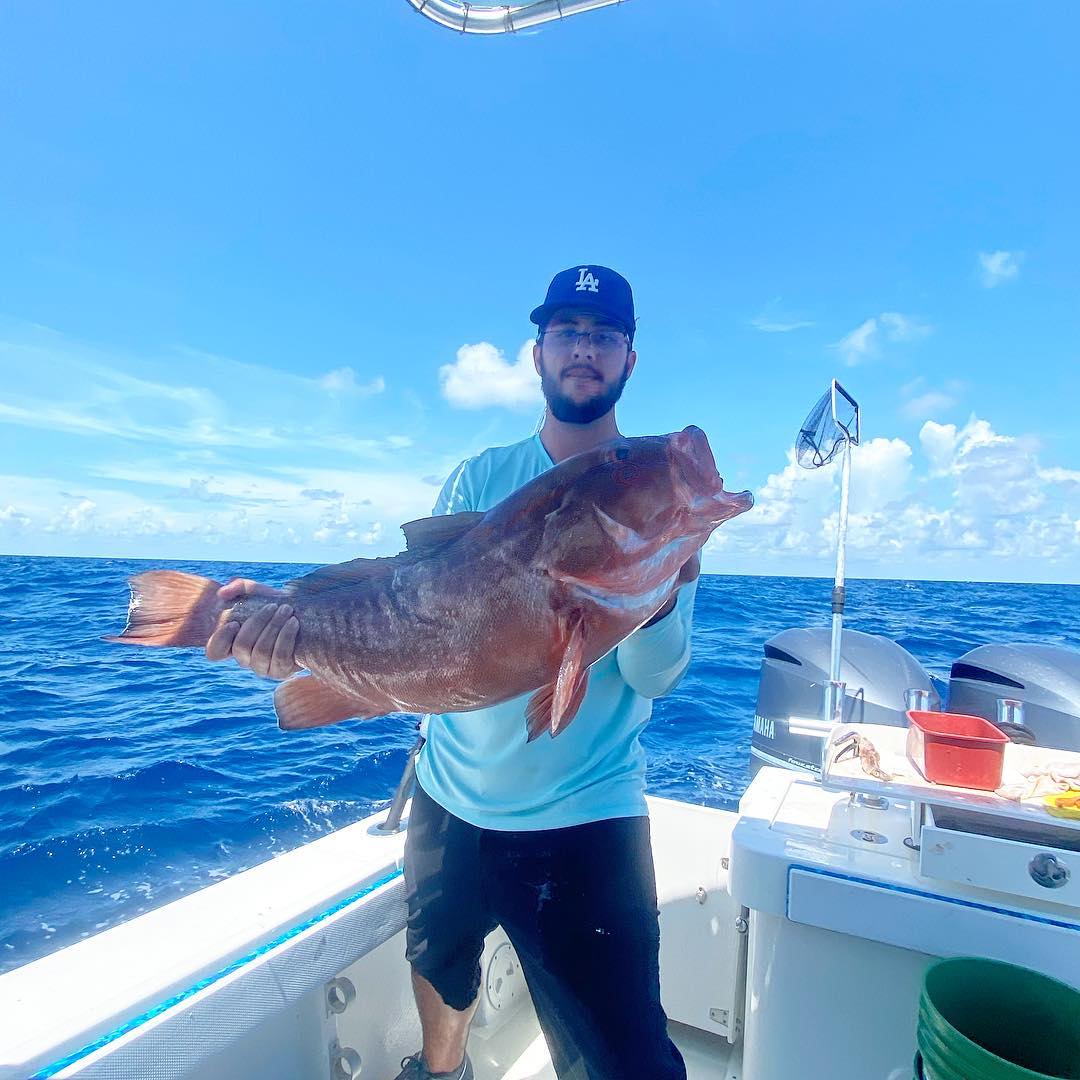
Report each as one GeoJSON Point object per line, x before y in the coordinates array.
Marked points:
{"type": "Point", "coordinates": [852, 433]}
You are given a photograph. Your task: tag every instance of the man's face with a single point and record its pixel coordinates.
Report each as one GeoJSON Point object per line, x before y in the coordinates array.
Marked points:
{"type": "Point", "coordinates": [582, 379]}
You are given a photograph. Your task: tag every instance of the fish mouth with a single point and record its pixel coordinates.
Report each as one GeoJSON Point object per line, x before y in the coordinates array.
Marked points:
{"type": "Point", "coordinates": [728, 504]}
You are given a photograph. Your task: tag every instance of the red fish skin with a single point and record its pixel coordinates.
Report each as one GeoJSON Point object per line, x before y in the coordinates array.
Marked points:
{"type": "Point", "coordinates": [594, 547]}
{"type": "Point", "coordinates": [452, 632]}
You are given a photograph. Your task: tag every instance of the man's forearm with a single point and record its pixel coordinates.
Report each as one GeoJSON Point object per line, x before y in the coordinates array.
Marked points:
{"type": "Point", "coordinates": [653, 659]}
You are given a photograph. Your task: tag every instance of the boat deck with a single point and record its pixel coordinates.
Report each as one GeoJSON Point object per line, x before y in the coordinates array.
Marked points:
{"type": "Point", "coordinates": [500, 1056]}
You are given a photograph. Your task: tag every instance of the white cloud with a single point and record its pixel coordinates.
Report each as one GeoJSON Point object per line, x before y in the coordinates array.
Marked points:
{"type": "Point", "coordinates": [68, 388]}
{"type": "Point", "coordinates": [994, 475]}
{"type": "Point", "coordinates": [482, 376]}
{"type": "Point", "coordinates": [924, 402]}
{"type": "Point", "coordinates": [77, 517]}
{"type": "Point", "coordinates": [343, 381]}
{"type": "Point", "coordinates": [350, 444]}
{"type": "Point", "coordinates": [345, 528]}
{"type": "Point", "coordinates": [11, 520]}
{"type": "Point", "coordinates": [946, 446]}
{"type": "Point", "coordinates": [192, 432]}
{"type": "Point", "coordinates": [393, 497]}
{"type": "Point", "coordinates": [1068, 478]}
{"type": "Point", "coordinates": [998, 267]}
{"type": "Point", "coordinates": [105, 415]}
{"type": "Point", "coordinates": [223, 485]}
{"type": "Point", "coordinates": [860, 344]}
{"type": "Point", "coordinates": [865, 341]}
{"type": "Point", "coordinates": [926, 405]}
{"type": "Point", "coordinates": [881, 472]}
{"type": "Point", "coordinates": [899, 327]}
{"type": "Point", "coordinates": [200, 489]}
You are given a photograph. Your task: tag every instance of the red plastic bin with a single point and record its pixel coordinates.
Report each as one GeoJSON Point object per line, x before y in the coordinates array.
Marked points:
{"type": "Point", "coordinates": [954, 749]}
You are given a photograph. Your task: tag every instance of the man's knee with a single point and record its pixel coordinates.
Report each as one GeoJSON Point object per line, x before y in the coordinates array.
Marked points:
{"type": "Point", "coordinates": [452, 970]}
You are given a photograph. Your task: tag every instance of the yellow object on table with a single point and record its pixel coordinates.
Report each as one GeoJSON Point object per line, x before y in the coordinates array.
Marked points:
{"type": "Point", "coordinates": [1064, 804]}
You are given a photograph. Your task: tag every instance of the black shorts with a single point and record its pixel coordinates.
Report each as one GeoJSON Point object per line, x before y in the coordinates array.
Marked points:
{"type": "Point", "coordinates": [579, 906]}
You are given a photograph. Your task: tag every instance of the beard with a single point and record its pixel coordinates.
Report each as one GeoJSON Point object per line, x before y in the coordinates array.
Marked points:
{"type": "Point", "coordinates": [583, 412]}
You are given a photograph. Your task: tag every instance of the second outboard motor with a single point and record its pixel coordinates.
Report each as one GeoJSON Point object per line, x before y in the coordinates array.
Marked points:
{"type": "Point", "coordinates": [788, 726]}
{"type": "Point", "coordinates": [1045, 679]}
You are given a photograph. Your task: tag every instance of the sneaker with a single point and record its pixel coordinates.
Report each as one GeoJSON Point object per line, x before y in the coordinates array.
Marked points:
{"type": "Point", "coordinates": [413, 1068]}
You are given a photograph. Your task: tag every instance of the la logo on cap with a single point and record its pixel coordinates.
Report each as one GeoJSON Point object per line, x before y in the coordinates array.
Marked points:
{"type": "Point", "coordinates": [586, 282]}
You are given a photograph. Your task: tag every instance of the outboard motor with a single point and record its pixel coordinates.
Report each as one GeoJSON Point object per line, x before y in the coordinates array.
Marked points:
{"type": "Point", "coordinates": [788, 723]}
{"type": "Point", "coordinates": [1045, 679]}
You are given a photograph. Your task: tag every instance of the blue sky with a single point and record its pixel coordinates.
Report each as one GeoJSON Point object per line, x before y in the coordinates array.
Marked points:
{"type": "Point", "coordinates": [268, 266]}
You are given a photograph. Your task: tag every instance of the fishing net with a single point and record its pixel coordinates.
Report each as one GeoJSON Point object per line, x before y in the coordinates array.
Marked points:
{"type": "Point", "coordinates": [833, 421]}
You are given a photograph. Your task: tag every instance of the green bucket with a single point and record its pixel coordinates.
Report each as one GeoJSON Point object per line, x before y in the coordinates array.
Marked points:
{"type": "Point", "coordinates": [985, 1020]}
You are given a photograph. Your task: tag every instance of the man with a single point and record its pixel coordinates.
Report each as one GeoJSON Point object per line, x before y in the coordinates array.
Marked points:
{"type": "Point", "coordinates": [549, 839]}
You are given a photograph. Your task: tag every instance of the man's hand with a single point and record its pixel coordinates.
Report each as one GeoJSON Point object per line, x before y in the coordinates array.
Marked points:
{"type": "Point", "coordinates": [265, 642]}
{"type": "Point", "coordinates": [690, 569]}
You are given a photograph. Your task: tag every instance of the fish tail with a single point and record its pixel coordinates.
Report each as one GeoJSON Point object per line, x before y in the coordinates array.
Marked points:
{"type": "Point", "coordinates": [170, 608]}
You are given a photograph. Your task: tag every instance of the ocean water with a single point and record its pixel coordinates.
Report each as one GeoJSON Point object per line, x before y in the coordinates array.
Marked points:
{"type": "Point", "coordinates": [129, 777]}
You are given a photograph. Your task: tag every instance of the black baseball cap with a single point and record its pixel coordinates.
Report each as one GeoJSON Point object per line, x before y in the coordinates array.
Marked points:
{"type": "Point", "coordinates": [591, 288]}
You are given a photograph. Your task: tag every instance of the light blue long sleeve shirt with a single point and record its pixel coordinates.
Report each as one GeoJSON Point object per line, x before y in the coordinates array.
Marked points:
{"type": "Point", "coordinates": [479, 766]}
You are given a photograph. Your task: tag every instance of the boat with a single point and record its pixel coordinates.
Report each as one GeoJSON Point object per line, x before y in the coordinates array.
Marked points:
{"type": "Point", "coordinates": [795, 931]}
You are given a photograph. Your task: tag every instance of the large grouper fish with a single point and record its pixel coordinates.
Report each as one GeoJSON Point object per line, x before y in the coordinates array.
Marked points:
{"type": "Point", "coordinates": [481, 607]}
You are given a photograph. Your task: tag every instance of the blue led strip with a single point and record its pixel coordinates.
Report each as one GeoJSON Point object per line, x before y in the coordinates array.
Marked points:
{"type": "Point", "coordinates": [908, 891]}
{"type": "Point", "coordinates": [202, 984]}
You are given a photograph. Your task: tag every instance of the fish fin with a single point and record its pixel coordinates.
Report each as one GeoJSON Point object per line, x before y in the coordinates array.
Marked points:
{"type": "Point", "coordinates": [538, 713]}
{"type": "Point", "coordinates": [552, 707]}
{"type": "Point", "coordinates": [424, 534]}
{"type": "Point", "coordinates": [341, 576]}
{"type": "Point", "coordinates": [170, 608]}
{"type": "Point", "coordinates": [421, 537]}
{"type": "Point", "coordinates": [306, 702]}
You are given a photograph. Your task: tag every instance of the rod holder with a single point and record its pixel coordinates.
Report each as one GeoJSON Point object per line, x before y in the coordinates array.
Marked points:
{"type": "Point", "coordinates": [832, 713]}
{"type": "Point", "coordinates": [832, 707]}
{"type": "Point", "coordinates": [916, 699]}
{"type": "Point", "coordinates": [1010, 721]}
